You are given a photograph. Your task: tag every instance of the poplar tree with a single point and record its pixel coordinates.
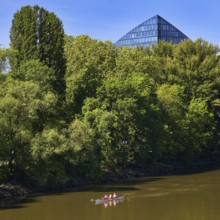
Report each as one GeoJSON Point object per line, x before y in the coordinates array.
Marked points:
{"type": "Point", "coordinates": [38, 34]}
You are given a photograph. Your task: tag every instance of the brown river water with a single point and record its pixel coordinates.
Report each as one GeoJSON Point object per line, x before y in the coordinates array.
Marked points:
{"type": "Point", "coordinates": [179, 197]}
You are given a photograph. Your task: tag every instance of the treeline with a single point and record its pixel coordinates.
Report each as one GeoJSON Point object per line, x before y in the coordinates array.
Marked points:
{"type": "Point", "coordinates": [73, 108]}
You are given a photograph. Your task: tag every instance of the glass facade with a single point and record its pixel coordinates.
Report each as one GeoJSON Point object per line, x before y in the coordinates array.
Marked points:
{"type": "Point", "coordinates": [151, 32]}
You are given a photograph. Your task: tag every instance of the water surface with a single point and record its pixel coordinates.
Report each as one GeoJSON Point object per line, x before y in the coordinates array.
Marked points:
{"type": "Point", "coordinates": [184, 197]}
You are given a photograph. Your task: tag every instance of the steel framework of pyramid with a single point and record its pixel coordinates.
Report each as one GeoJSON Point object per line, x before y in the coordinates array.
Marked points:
{"type": "Point", "coordinates": [151, 32]}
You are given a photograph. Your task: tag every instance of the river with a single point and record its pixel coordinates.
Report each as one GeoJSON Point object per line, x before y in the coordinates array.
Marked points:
{"type": "Point", "coordinates": [179, 197]}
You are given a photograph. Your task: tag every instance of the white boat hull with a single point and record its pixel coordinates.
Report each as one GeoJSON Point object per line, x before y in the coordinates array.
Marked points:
{"type": "Point", "coordinates": [99, 201]}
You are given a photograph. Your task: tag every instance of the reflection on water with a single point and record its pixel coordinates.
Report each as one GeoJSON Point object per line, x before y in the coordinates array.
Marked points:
{"type": "Point", "coordinates": [110, 203]}
{"type": "Point", "coordinates": [185, 197]}
{"type": "Point", "coordinates": [16, 203]}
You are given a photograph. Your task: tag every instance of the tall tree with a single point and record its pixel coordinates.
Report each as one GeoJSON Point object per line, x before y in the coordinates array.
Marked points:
{"type": "Point", "coordinates": [38, 34]}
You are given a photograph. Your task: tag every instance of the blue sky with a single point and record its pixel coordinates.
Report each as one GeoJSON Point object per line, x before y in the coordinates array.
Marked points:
{"type": "Point", "coordinates": [111, 19]}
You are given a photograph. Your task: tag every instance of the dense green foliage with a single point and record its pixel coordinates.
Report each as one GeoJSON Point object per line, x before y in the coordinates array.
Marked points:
{"type": "Point", "coordinates": [38, 34]}
{"type": "Point", "coordinates": [122, 108]}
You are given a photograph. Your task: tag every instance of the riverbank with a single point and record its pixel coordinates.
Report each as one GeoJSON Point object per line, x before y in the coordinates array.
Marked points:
{"type": "Point", "coordinates": [9, 190]}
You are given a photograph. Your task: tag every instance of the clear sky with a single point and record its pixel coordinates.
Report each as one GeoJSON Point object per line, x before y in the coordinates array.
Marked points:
{"type": "Point", "coordinates": [111, 19]}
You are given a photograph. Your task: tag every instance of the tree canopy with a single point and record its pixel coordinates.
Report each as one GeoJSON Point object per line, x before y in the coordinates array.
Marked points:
{"type": "Point", "coordinates": [37, 34]}
{"type": "Point", "coordinates": [73, 109]}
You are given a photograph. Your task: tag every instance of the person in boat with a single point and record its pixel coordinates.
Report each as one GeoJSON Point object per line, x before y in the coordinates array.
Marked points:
{"type": "Point", "coordinates": [110, 196]}
{"type": "Point", "coordinates": [105, 196]}
{"type": "Point", "coordinates": [115, 196]}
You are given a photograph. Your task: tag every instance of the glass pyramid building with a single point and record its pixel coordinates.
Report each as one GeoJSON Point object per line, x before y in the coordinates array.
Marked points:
{"type": "Point", "coordinates": [150, 32]}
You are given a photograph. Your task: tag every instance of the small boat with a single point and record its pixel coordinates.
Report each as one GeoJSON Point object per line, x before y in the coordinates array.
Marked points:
{"type": "Point", "coordinates": [117, 199]}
